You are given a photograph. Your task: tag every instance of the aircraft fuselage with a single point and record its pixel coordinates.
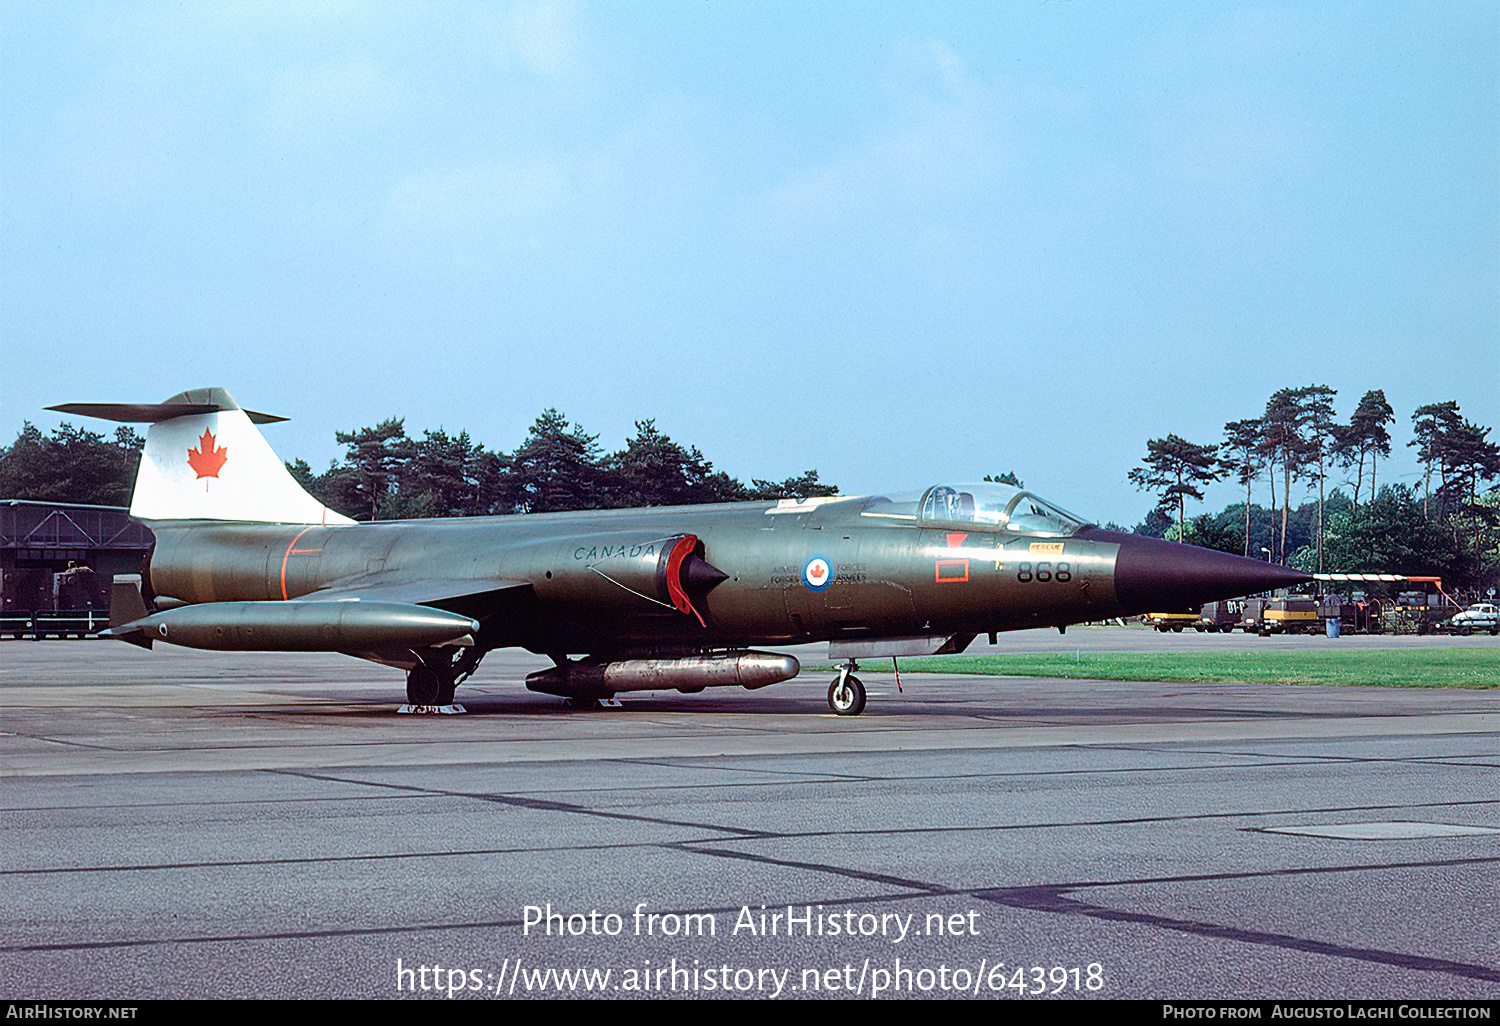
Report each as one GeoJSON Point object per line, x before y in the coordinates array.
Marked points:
{"type": "Point", "coordinates": [246, 560]}
{"type": "Point", "coordinates": [588, 575]}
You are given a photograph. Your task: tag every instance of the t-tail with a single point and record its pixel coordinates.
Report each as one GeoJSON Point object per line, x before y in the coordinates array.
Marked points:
{"type": "Point", "coordinates": [206, 460]}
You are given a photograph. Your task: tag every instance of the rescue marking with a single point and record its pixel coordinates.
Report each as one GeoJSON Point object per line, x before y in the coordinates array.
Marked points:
{"type": "Point", "coordinates": [1047, 548]}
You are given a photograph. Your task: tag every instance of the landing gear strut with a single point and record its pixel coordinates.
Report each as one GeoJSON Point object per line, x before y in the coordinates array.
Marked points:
{"type": "Point", "coordinates": [430, 683]}
{"type": "Point", "coordinates": [846, 695]}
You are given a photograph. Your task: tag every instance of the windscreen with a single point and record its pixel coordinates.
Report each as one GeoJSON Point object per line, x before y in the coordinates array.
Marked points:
{"type": "Point", "coordinates": [986, 505]}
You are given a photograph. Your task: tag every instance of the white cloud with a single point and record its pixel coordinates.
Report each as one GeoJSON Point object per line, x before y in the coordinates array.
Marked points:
{"type": "Point", "coordinates": [467, 198]}
{"type": "Point", "coordinates": [543, 36]}
{"type": "Point", "coordinates": [575, 199]}
{"type": "Point", "coordinates": [946, 137]}
{"type": "Point", "coordinates": [330, 97]}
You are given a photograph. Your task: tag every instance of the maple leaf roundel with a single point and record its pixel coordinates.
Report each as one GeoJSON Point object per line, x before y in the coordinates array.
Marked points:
{"type": "Point", "coordinates": [207, 460]}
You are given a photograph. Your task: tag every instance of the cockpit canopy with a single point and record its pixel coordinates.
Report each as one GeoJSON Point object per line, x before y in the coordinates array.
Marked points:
{"type": "Point", "coordinates": [985, 506]}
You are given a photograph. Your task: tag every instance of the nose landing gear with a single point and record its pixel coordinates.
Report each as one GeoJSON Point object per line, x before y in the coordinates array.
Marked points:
{"type": "Point", "coordinates": [846, 695]}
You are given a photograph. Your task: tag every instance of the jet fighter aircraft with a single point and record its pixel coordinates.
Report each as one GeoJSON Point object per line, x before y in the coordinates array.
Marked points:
{"type": "Point", "coordinates": [620, 600]}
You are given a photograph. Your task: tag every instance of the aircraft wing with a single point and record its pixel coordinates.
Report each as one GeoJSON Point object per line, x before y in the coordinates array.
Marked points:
{"type": "Point", "coordinates": [424, 591]}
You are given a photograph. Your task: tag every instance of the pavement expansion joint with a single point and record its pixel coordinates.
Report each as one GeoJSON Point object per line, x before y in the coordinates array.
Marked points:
{"type": "Point", "coordinates": [1384, 831]}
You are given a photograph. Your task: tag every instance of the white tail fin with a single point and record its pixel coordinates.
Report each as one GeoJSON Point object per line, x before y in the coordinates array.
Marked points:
{"type": "Point", "coordinates": [205, 460]}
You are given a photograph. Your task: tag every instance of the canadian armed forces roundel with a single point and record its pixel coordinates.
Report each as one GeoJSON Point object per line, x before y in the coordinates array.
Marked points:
{"type": "Point", "coordinates": [818, 573]}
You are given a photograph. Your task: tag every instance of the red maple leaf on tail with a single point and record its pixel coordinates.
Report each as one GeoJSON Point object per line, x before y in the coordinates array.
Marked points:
{"type": "Point", "coordinates": [207, 460]}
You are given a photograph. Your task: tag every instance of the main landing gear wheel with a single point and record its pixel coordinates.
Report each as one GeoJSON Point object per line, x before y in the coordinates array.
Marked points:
{"type": "Point", "coordinates": [425, 687]}
{"type": "Point", "coordinates": [431, 682]}
{"type": "Point", "coordinates": [846, 695]}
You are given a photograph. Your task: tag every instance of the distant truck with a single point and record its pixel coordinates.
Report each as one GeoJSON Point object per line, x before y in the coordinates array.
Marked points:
{"type": "Point", "coordinates": [1174, 622]}
{"type": "Point", "coordinates": [1213, 618]}
{"type": "Point", "coordinates": [1295, 614]}
{"type": "Point", "coordinates": [1222, 617]}
{"type": "Point", "coordinates": [1481, 616]}
{"type": "Point", "coordinates": [1254, 616]}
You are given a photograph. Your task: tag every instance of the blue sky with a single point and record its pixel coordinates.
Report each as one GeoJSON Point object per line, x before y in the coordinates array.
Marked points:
{"type": "Point", "coordinates": [898, 243]}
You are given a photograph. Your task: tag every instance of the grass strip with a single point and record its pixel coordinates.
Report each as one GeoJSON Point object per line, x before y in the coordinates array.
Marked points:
{"type": "Point", "coordinates": [1407, 668]}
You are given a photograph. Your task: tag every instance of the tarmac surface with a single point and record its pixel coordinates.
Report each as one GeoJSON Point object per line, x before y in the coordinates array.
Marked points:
{"type": "Point", "coordinates": [179, 824]}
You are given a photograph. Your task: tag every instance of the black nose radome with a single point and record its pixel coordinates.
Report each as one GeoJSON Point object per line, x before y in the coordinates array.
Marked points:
{"type": "Point", "coordinates": [1152, 575]}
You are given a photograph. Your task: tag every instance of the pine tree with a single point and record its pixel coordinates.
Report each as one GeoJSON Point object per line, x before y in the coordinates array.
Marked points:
{"type": "Point", "coordinates": [1174, 467]}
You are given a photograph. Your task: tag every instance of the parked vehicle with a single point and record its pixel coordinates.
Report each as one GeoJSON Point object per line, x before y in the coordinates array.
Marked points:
{"type": "Point", "coordinates": [1222, 617]}
{"type": "Point", "coordinates": [1481, 616]}
{"type": "Point", "coordinates": [1295, 614]}
{"type": "Point", "coordinates": [1173, 622]}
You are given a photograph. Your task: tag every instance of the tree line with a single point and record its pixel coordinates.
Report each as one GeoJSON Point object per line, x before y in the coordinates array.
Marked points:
{"type": "Point", "coordinates": [1447, 527]}
{"type": "Point", "coordinates": [71, 465]}
{"type": "Point", "coordinates": [386, 474]}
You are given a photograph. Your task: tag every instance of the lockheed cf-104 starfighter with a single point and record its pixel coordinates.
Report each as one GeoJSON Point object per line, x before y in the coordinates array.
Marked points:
{"type": "Point", "coordinates": [620, 600]}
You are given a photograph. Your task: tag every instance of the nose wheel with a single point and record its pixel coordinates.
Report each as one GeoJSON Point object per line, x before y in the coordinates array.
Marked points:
{"type": "Point", "coordinates": [846, 695]}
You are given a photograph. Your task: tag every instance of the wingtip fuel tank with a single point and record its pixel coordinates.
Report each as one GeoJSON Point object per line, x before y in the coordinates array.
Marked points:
{"type": "Point", "coordinates": [297, 626]}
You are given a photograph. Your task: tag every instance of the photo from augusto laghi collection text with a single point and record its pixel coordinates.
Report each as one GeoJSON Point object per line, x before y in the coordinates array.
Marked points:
{"type": "Point", "coordinates": [759, 951]}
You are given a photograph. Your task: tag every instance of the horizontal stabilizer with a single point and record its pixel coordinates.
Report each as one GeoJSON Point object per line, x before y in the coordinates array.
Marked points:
{"type": "Point", "coordinates": [152, 413]}
{"type": "Point", "coordinates": [126, 605]}
{"type": "Point", "coordinates": [184, 404]}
